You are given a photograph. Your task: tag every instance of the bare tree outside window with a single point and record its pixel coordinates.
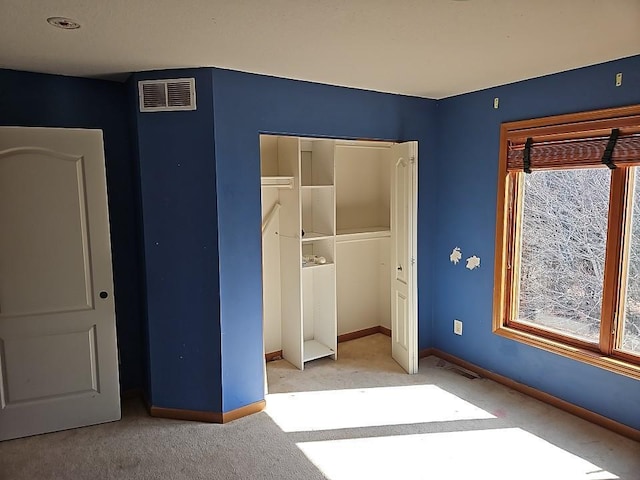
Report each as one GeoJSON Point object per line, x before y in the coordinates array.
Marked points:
{"type": "Point", "coordinates": [631, 330]}
{"type": "Point", "coordinates": [564, 233]}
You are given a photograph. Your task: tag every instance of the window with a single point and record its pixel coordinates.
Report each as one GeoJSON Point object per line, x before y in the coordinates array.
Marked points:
{"type": "Point", "coordinates": [567, 272]}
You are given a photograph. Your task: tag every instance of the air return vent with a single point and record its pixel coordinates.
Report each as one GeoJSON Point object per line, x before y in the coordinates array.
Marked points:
{"type": "Point", "coordinates": [167, 95]}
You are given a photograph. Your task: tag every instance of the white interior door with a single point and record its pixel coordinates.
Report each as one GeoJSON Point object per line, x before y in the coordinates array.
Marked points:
{"type": "Point", "coordinates": [58, 355]}
{"type": "Point", "coordinates": [404, 206]}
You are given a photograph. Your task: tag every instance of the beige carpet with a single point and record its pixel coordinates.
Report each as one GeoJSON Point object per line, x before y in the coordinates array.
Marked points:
{"type": "Point", "coordinates": [358, 418]}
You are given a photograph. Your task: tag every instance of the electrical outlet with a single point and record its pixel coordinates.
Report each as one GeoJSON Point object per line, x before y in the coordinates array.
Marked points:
{"type": "Point", "coordinates": [618, 79]}
{"type": "Point", "coordinates": [496, 102]}
{"type": "Point", "coordinates": [457, 327]}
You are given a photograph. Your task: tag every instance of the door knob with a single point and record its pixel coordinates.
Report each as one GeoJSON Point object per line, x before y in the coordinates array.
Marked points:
{"type": "Point", "coordinates": [399, 268]}
{"type": "Point", "coordinates": [103, 294]}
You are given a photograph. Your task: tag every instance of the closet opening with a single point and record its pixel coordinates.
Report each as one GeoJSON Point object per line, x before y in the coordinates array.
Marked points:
{"type": "Point", "coordinates": [339, 227]}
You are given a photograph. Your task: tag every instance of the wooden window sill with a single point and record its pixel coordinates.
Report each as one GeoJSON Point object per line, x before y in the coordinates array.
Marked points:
{"type": "Point", "coordinates": [575, 353]}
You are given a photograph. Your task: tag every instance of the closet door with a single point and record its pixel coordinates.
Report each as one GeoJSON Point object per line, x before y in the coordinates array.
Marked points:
{"type": "Point", "coordinates": [404, 305]}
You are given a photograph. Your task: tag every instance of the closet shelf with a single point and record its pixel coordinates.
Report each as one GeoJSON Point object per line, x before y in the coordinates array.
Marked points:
{"type": "Point", "coordinates": [316, 265]}
{"type": "Point", "coordinates": [358, 234]}
{"type": "Point", "coordinates": [313, 350]}
{"type": "Point", "coordinates": [311, 236]}
{"type": "Point", "coordinates": [277, 182]}
{"type": "Point", "coordinates": [304, 187]}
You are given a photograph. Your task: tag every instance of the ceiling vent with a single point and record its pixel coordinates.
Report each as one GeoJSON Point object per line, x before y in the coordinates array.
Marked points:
{"type": "Point", "coordinates": [167, 95]}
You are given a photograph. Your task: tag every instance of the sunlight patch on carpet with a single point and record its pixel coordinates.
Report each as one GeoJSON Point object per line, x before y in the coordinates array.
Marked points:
{"type": "Point", "coordinates": [506, 453]}
{"type": "Point", "coordinates": [368, 407]}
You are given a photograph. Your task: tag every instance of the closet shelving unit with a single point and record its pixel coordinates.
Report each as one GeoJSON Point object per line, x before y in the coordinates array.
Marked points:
{"type": "Point", "coordinates": [317, 205]}
{"type": "Point", "coordinates": [298, 175]}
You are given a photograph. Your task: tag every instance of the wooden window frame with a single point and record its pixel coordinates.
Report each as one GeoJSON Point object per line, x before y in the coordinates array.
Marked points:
{"type": "Point", "coordinates": [605, 353]}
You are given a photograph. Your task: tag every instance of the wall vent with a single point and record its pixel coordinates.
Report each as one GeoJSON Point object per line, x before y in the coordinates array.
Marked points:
{"type": "Point", "coordinates": [167, 95]}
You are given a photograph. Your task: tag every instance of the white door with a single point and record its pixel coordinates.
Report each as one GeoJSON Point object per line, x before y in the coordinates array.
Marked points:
{"type": "Point", "coordinates": [404, 220]}
{"type": "Point", "coordinates": [58, 356]}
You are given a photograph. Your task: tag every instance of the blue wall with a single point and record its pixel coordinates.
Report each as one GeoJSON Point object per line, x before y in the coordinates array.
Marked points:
{"type": "Point", "coordinates": [37, 100]}
{"type": "Point", "coordinates": [468, 133]}
{"type": "Point", "coordinates": [178, 191]}
{"type": "Point", "coordinates": [246, 105]}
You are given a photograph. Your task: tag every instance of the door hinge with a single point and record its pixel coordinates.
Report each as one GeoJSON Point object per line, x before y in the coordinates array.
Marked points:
{"type": "Point", "coordinates": [413, 261]}
{"type": "Point", "coordinates": [412, 159]}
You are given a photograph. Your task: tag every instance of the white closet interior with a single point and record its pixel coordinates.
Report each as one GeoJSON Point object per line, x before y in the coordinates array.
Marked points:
{"type": "Point", "coordinates": [363, 246]}
{"type": "Point", "coordinates": [326, 243]}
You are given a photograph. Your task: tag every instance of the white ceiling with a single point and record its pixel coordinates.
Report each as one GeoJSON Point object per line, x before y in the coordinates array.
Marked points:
{"type": "Point", "coordinates": [427, 48]}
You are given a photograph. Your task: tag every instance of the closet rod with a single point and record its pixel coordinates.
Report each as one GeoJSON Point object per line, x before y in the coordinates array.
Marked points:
{"type": "Point", "coordinates": [377, 147]}
{"type": "Point", "coordinates": [270, 216]}
{"type": "Point", "coordinates": [354, 240]}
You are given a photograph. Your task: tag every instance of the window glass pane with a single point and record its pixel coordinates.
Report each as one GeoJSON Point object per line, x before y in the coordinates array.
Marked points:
{"type": "Point", "coordinates": [564, 233]}
{"type": "Point", "coordinates": [631, 326]}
